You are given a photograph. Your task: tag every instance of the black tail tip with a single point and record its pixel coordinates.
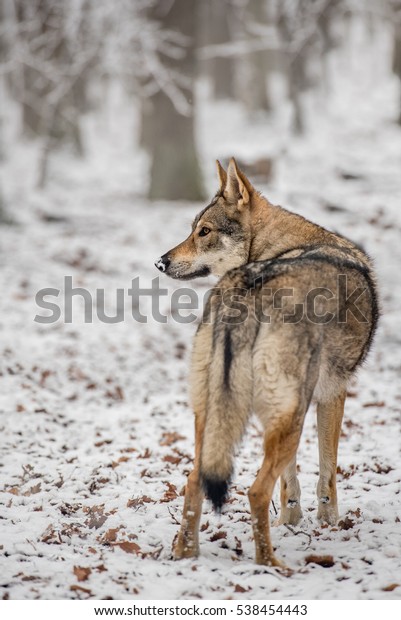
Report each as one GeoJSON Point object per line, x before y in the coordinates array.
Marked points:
{"type": "Point", "coordinates": [216, 490]}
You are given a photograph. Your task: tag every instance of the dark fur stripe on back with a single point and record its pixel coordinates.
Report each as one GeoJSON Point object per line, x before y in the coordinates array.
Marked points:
{"type": "Point", "coordinates": [267, 270]}
{"type": "Point", "coordinates": [228, 357]}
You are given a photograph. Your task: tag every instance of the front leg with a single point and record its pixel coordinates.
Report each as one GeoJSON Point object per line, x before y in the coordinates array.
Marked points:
{"type": "Point", "coordinates": [187, 543]}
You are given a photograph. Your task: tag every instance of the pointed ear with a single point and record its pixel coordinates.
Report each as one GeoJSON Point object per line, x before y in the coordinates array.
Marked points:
{"type": "Point", "coordinates": [222, 174]}
{"type": "Point", "coordinates": [238, 188]}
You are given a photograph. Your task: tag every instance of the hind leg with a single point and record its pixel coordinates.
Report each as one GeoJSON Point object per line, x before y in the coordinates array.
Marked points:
{"type": "Point", "coordinates": [290, 495]}
{"type": "Point", "coordinates": [285, 371]}
{"type": "Point", "coordinates": [329, 418]}
{"type": "Point", "coordinates": [187, 542]}
{"type": "Point", "coordinates": [281, 443]}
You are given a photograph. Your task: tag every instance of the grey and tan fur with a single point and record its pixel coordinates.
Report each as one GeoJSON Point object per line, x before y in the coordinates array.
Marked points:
{"type": "Point", "coordinates": [273, 369]}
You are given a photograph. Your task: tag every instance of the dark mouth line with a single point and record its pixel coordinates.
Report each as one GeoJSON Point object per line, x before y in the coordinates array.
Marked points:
{"type": "Point", "coordinates": [200, 273]}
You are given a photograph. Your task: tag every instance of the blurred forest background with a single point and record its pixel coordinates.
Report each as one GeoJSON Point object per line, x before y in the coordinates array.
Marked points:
{"type": "Point", "coordinates": [63, 63]}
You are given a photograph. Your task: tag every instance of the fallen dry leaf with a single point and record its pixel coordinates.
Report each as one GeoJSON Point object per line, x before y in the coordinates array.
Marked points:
{"type": "Point", "coordinates": [33, 490]}
{"type": "Point", "coordinates": [139, 501]}
{"type": "Point", "coordinates": [174, 460]}
{"type": "Point", "coordinates": [346, 524]}
{"type": "Point", "coordinates": [116, 394]}
{"type": "Point", "coordinates": [169, 438]}
{"type": "Point", "coordinates": [111, 535]}
{"type": "Point", "coordinates": [391, 587]}
{"type": "Point", "coordinates": [96, 516]}
{"type": "Point", "coordinates": [128, 547]}
{"type": "Point", "coordinates": [171, 492]}
{"type": "Point", "coordinates": [218, 536]}
{"type": "Point", "coordinates": [75, 588]}
{"type": "Point", "coordinates": [82, 573]}
{"type": "Point", "coordinates": [326, 561]}
{"type": "Point", "coordinates": [122, 459]}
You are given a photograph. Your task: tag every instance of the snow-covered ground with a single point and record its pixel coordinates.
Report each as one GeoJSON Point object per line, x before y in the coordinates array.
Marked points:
{"type": "Point", "coordinates": [96, 431]}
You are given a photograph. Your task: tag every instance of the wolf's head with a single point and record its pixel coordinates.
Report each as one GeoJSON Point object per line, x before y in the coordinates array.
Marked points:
{"type": "Point", "coordinates": [221, 233]}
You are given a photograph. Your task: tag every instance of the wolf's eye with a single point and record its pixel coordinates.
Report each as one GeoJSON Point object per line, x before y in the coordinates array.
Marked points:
{"type": "Point", "coordinates": [204, 231]}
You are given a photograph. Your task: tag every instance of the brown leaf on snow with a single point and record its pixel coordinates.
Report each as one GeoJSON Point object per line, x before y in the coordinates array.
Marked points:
{"type": "Point", "coordinates": [111, 535]}
{"type": "Point", "coordinates": [357, 513]}
{"type": "Point", "coordinates": [326, 561]}
{"type": "Point", "coordinates": [98, 483]}
{"type": "Point", "coordinates": [33, 490]}
{"type": "Point", "coordinates": [13, 490]}
{"type": "Point", "coordinates": [346, 524]}
{"type": "Point", "coordinates": [43, 377]}
{"type": "Point", "coordinates": [346, 473]}
{"type": "Point", "coordinates": [103, 442]}
{"type": "Point", "coordinates": [382, 469]}
{"type": "Point", "coordinates": [381, 403]}
{"type": "Point", "coordinates": [169, 438]}
{"type": "Point", "coordinates": [139, 501]}
{"type": "Point", "coordinates": [171, 492]}
{"type": "Point", "coordinates": [128, 547]}
{"type": "Point", "coordinates": [147, 454]}
{"type": "Point", "coordinates": [218, 536]}
{"type": "Point", "coordinates": [238, 547]}
{"type": "Point", "coordinates": [116, 394]}
{"type": "Point", "coordinates": [240, 589]}
{"type": "Point", "coordinates": [391, 587]}
{"type": "Point", "coordinates": [67, 509]}
{"type": "Point", "coordinates": [81, 589]}
{"type": "Point", "coordinates": [82, 573]}
{"type": "Point", "coordinates": [51, 536]}
{"type": "Point", "coordinates": [122, 459]}
{"type": "Point", "coordinates": [174, 460]}
{"type": "Point", "coordinates": [96, 518]}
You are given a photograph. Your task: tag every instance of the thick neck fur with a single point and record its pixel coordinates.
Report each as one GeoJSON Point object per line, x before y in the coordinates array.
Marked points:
{"type": "Point", "coordinates": [275, 230]}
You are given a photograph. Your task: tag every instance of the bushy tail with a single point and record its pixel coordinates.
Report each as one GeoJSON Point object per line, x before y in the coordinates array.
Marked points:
{"type": "Point", "coordinates": [228, 409]}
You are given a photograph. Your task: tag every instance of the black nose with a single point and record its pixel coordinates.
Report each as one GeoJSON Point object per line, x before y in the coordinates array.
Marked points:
{"type": "Point", "coordinates": [162, 263]}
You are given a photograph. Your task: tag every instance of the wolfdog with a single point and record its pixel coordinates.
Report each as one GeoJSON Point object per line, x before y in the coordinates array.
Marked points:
{"type": "Point", "coordinates": [292, 317]}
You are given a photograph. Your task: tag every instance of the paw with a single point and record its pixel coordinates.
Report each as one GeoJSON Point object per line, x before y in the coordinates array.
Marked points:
{"type": "Point", "coordinates": [184, 549]}
{"type": "Point", "coordinates": [290, 514]}
{"type": "Point", "coordinates": [270, 560]}
{"type": "Point", "coordinates": [327, 511]}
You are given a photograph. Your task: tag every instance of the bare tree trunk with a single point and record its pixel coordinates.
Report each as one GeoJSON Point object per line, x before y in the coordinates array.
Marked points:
{"type": "Point", "coordinates": [296, 66]}
{"type": "Point", "coordinates": [47, 45]}
{"type": "Point", "coordinates": [175, 170]}
{"type": "Point", "coordinates": [256, 66]}
{"type": "Point", "coordinates": [221, 69]}
{"type": "Point", "coordinates": [397, 58]}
